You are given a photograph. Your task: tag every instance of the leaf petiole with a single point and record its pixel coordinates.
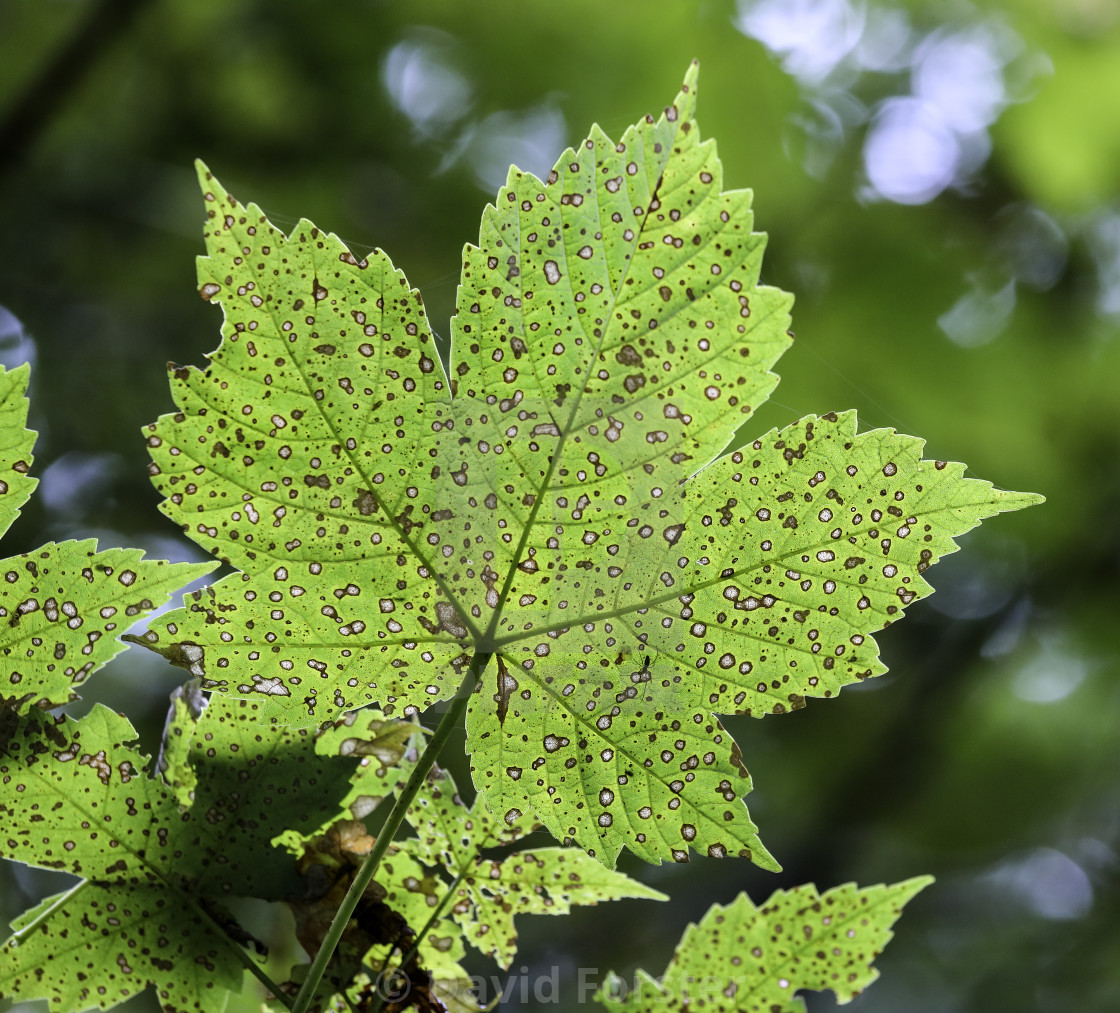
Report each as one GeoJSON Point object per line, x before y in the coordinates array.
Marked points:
{"type": "Point", "coordinates": [447, 724]}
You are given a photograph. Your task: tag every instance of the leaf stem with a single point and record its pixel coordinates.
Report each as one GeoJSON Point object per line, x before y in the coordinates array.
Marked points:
{"type": "Point", "coordinates": [392, 824]}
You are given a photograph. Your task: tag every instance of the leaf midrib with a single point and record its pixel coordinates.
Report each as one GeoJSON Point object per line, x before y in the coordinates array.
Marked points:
{"type": "Point", "coordinates": [558, 450]}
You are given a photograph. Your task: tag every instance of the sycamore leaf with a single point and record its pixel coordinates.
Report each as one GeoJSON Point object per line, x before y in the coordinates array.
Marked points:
{"type": "Point", "coordinates": [254, 784]}
{"type": "Point", "coordinates": [554, 504]}
{"type": "Point", "coordinates": [543, 881]}
{"type": "Point", "coordinates": [126, 925]}
{"type": "Point", "coordinates": [386, 750]}
{"type": "Point", "coordinates": [436, 972]}
{"type": "Point", "coordinates": [329, 855]}
{"type": "Point", "coordinates": [452, 835]}
{"type": "Point", "coordinates": [407, 905]}
{"type": "Point", "coordinates": [747, 959]}
{"type": "Point", "coordinates": [62, 605]}
{"type": "Point", "coordinates": [148, 909]}
{"type": "Point", "coordinates": [384, 915]}
{"type": "Point", "coordinates": [491, 891]}
{"type": "Point", "coordinates": [98, 946]}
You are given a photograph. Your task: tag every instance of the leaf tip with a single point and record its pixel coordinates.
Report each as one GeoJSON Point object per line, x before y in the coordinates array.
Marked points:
{"type": "Point", "coordinates": [1007, 500]}
{"type": "Point", "coordinates": [691, 76]}
{"type": "Point", "coordinates": [684, 104]}
{"type": "Point", "coordinates": [759, 855]}
{"type": "Point", "coordinates": [766, 861]}
{"type": "Point", "coordinates": [212, 191]}
{"type": "Point", "coordinates": [910, 888]}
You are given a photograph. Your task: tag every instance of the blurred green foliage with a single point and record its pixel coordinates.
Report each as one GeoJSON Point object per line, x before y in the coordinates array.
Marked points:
{"type": "Point", "coordinates": [984, 317]}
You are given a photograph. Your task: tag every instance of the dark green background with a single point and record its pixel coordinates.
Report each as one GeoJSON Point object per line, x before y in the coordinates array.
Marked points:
{"type": "Point", "coordinates": [989, 755]}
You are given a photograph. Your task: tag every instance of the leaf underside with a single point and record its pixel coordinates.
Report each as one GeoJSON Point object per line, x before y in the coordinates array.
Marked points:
{"type": "Point", "coordinates": [555, 500]}
{"type": "Point", "coordinates": [742, 958]}
{"type": "Point", "coordinates": [16, 441]}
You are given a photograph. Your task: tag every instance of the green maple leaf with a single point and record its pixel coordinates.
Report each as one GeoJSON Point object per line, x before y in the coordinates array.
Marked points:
{"type": "Point", "coordinates": [62, 604]}
{"type": "Point", "coordinates": [414, 893]}
{"type": "Point", "coordinates": [743, 958]}
{"type": "Point", "coordinates": [489, 892]}
{"type": "Point", "coordinates": [556, 504]}
{"type": "Point", "coordinates": [148, 909]}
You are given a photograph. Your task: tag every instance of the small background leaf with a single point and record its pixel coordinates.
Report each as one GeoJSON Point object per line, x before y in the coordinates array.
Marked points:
{"type": "Point", "coordinates": [129, 923]}
{"type": "Point", "coordinates": [385, 750]}
{"type": "Point", "coordinates": [747, 958]}
{"type": "Point", "coordinates": [492, 890]}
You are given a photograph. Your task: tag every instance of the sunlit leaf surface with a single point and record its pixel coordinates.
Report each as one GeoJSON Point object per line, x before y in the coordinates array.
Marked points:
{"type": "Point", "coordinates": [438, 890]}
{"type": "Point", "coordinates": [491, 891]}
{"type": "Point", "coordinates": [743, 958]}
{"type": "Point", "coordinates": [63, 606]}
{"type": "Point", "coordinates": [16, 441]}
{"type": "Point", "coordinates": [554, 503]}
